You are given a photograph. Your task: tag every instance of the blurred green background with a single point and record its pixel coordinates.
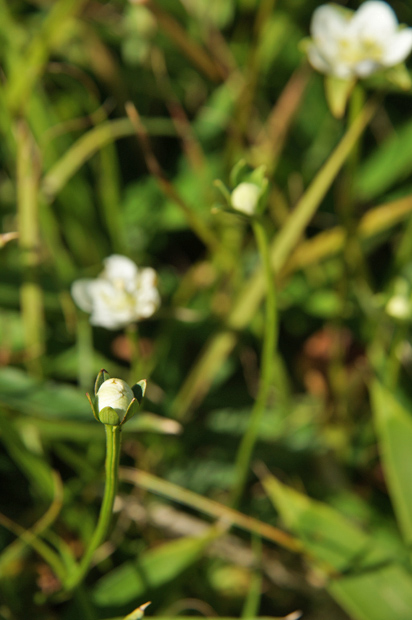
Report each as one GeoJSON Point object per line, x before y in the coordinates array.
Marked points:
{"type": "Point", "coordinates": [116, 118]}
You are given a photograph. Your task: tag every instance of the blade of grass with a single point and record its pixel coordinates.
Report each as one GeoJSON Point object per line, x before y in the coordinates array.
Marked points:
{"type": "Point", "coordinates": [331, 242]}
{"type": "Point", "coordinates": [194, 52]}
{"type": "Point", "coordinates": [394, 427]}
{"type": "Point", "coordinates": [31, 295]}
{"type": "Point", "coordinates": [362, 577]}
{"type": "Point", "coordinates": [207, 506]}
{"type": "Point", "coordinates": [86, 146]}
{"type": "Point", "coordinates": [29, 67]}
{"type": "Point", "coordinates": [11, 553]}
{"type": "Point", "coordinates": [198, 225]}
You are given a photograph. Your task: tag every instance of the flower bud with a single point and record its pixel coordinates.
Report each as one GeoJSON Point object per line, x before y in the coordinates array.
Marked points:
{"type": "Point", "coordinates": [245, 198]}
{"type": "Point", "coordinates": [114, 401]}
{"type": "Point", "coordinates": [116, 394]}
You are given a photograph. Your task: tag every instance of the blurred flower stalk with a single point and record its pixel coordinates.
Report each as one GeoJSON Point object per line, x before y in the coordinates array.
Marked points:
{"type": "Point", "coordinates": [249, 199]}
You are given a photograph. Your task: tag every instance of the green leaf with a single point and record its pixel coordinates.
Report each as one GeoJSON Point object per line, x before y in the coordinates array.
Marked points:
{"type": "Point", "coordinates": [394, 428]}
{"type": "Point", "coordinates": [34, 466]}
{"type": "Point", "coordinates": [367, 583]}
{"type": "Point", "coordinates": [27, 395]}
{"type": "Point", "coordinates": [154, 568]}
{"type": "Point", "coordinates": [390, 163]}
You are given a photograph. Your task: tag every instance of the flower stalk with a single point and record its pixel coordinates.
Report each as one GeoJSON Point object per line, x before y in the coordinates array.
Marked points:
{"type": "Point", "coordinates": [271, 329]}
{"type": "Point", "coordinates": [113, 399]}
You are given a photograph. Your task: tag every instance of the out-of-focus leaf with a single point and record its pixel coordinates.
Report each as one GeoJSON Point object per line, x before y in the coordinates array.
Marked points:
{"type": "Point", "coordinates": [394, 428]}
{"type": "Point", "coordinates": [390, 163]}
{"type": "Point", "coordinates": [362, 578]}
{"type": "Point", "coordinates": [20, 391]}
{"type": "Point", "coordinates": [34, 466]}
{"type": "Point", "coordinates": [154, 567]}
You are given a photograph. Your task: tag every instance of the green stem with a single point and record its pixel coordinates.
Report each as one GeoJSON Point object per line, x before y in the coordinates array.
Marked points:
{"type": "Point", "coordinates": [247, 444]}
{"type": "Point", "coordinates": [106, 510]}
{"type": "Point", "coordinates": [31, 294]}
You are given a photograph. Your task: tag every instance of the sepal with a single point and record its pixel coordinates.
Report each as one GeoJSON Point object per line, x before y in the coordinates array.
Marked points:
{"type": "Point", "coordinates": [139, 390]}
{"type": "Point", "coordinates": [93, 406]}
{"type": "Point", "coordinates": [131, 410]}
{"type": "Point", "coordinates": [109, 416]}
{"type": "Point", "coordinates": [337, 93]}
{"type": "Point", "coordinates": [100, 379]}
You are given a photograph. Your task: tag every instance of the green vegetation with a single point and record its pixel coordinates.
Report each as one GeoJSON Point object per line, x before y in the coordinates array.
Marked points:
{"type": "Point", "coordinates": [268, 470]}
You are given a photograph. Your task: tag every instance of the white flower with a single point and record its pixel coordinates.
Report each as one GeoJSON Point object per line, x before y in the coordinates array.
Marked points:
{"type": "Point", "coordinates": [121, 294]}
{"type": "Point", "coordinates": [398, 307]}
{"type": "Point", "coordinates": [350, 45]}
{"type": "Point", "coordinates": [114, 393]}
{"type": "Point", "coordinates": [245, 198]}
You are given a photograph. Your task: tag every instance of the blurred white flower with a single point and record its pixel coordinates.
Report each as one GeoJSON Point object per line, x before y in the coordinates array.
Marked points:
{"type": "Point", "coordinates": [245, 198]}
{"type": "Point", "coordinates": [398, 307]}
{"type": "Point", "coordinates": [348, 44]}
{"type": "Point", "coordinates": [120, 295]}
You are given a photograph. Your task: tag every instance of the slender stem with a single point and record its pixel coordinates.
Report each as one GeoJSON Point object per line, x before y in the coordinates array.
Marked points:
{"type": "Point", "coordinates": [247, 444]}
{"type": "Point", "coordinates": [31, 295]}
{"type": "Point", "coordinates": [106, 510]}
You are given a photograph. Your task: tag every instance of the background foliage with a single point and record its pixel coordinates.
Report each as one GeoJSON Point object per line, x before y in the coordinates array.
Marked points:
{"type": "Point", "coordinates": [115, 119]}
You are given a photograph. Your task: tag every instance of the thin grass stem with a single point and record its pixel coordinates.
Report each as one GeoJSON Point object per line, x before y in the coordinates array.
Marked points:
{"type": "Point", "coordinates": [248, 442]}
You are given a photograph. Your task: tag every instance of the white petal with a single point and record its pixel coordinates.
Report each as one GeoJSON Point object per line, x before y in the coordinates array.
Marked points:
{"type": "Point", "coordinates": [365, 68]}
{"type": "Point", "coordinates": [375, 20]}
{"type": "Point", "coordinates": [328, 22]}
{"type": "Point", "coordinates": [117, 267]}
{"type": "Point", "coordinates": [81, 291]}
{"type": "Point", "coordinates": [398, 48]}
{"type": "Point", "coordinates": [104, 317]}
{"type": "Point", "coordinates": [317, 60]}
{"type": "Point", "coordinates": [330, 26]}
{"type": "Point", "coordinates": [115, 393]}
{"type": "Point", "coordinates": [111, 307]}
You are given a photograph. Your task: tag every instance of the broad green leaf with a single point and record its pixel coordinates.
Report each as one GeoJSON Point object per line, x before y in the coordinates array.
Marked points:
{"type": "Point", "coordinates": [27, 395]}
{"type": "Point", "coordinates": [155, 567]}
{"type": "Point", "coordinates": [394, 428]}
{"type": "Point", "coordinates": [367, 583]}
